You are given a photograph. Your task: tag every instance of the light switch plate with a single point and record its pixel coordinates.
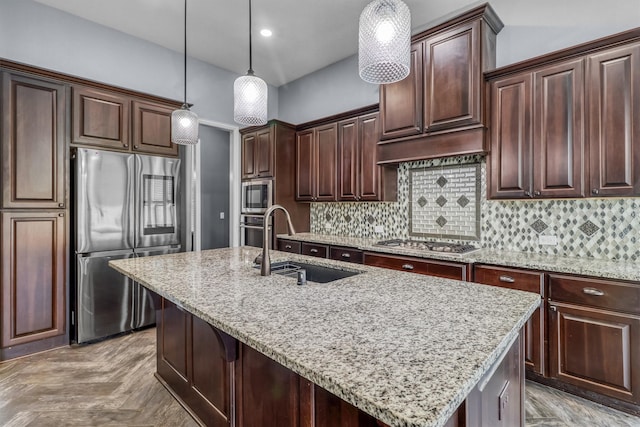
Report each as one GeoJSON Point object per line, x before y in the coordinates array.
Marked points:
{"type": "Point", "coordinates": [221, 215]}
{"type": "Point", "coordinates": [379, 228]}
{"type": "Point", "coordinates": [327, 226]}
{"type": "Point", "coordinates": [548, 240]}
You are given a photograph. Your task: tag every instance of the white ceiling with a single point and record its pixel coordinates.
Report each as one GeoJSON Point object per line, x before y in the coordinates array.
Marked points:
{"type": "Point", "coordinates": [310, 34]}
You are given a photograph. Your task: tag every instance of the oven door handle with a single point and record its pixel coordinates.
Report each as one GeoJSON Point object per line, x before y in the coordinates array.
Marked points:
{"type": "Point", "coordinates": [253, 227]}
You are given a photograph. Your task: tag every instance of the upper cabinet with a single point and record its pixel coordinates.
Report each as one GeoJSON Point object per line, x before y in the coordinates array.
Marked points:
{"type": "Point", "coordinates": [33, 141]}
{"type": "Point", "coordinates": [113, 120]}
{"type": "Point", "coordinates": [565, 124]}
{"type": "Point", "coordinates": [614, 121]}
{"type": "Point", "coordinates": [258, 153]}
{"type": "Point", "coordinates": [438, 110]}
{"type": "Point", "coordinates": [316, 158]}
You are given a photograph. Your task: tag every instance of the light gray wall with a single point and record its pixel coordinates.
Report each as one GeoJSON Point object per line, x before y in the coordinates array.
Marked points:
{"type": "Point", "coordinates": [214, 187]}
{"type": "Point", "coordinates": [38, 35]}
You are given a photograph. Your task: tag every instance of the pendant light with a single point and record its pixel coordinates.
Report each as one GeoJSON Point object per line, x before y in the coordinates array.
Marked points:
{"type": "Point", "coordinates": [250, 94]}
{"type": "Point", "coordinates": [384, 51]}
{"type": "Point", "coordinates": [184, 122]}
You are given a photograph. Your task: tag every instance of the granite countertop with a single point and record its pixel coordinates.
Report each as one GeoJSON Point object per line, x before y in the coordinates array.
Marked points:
{"type": "Point", "coordinates": [620, 270]}
{"type": "Point", "coordinates": [403, 347]}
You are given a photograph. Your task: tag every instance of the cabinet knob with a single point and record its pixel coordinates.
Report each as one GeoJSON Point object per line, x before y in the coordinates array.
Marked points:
{"type": "Point", "coordinates": [593, 292]}
{"type": "Point", "coordinates": [527, 193]}
{"type": "Point", "coordinates": [536, 194]}
{"type": "Point", "coordinates": [313, 251]}
{"type": "Point", "coordinates": [553, 308]}
{"type": "Point", "coordinates": [61, 205]}
{"type": "Point", "coordinates": [595, 191]}
{"type": "Point", "coordinates": [407, 267]}
{"type": "Point", "coordinates": [287, 246]}
{"type": "Point", "coordinates": [135, 146]}
{"type": "Point", "coordinates": [346, 255]}
{"type": "Point", "coordinates": [125, 145]}
{"type": "Point", "coordinates": [61, 214]}
{"type": "Point", "coordinates": [507, 279]}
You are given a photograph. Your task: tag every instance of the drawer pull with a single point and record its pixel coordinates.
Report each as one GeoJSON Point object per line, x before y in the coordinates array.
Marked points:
{"type": "Point", "coordinates": [407, 266]}
{"type": "Point", "coordinates": [287, 246]}
{"type": "Point", "coordinates": [593, 292]}
{"type": "Point", "coordinates": [313, 251]}
{"type": "Point", "coordinates": [346, 255]}
{"type": "Point", "coordinates": [507, 279]}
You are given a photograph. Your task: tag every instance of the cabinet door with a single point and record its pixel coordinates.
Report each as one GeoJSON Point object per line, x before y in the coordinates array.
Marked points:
{"type": "Point", "coordinates": [597, 350]}
{"type": "Point", "coordinates": [448, 270]}
{"type": "Point", "coordinates": [559, 148]}
{"type": "Point", "coordinates": [265, 147]}
{"type": "Point", "coordinates": [510, 171]}
{"type": "Point", "coordinates": [152, 129]}
{"type": "Point", "coordinates": [173, 325]}
{"type": "Point", "coordinates": [100, 118]}
{"type": "Point", "coordinates": [325, 165]}
{"type": "Point", "coordinates": [370, 174]}
{"type": "Point", "coordinates": [348, 159]}
{"type": "Point", "coordinates": [34, 260]}
{"type": "Point", "coordinates": [305, 166]}
{"type": "Point", "coordinates": [248, 155]}
{"type": "Point", "coordinates": [452, 78]}
{"type": "Point", "coordinates": [33, 145]}
{"type": "Point", "coordinates": [266, 392]}
{"type": "Point", "coordinates": [401, 102]}
{"type": "Point", "coordinates": [319, 408]}
{"type": "Point", "coordinates": [614, 116]}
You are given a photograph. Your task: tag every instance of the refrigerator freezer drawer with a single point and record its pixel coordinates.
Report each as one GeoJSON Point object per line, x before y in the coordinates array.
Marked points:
{"type": "Point", "coordinates": [105, 298]}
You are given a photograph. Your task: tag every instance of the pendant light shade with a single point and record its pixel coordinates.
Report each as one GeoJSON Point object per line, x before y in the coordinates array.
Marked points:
{"type": "Point", "coordinates": [250, 94]}
{"type": "Point", "coordinates": [384, 51]}
{"type": "Point", "coordinates": [184, 122]}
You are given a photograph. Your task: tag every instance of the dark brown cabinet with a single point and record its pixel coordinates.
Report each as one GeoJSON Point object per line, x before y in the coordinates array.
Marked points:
{"type": "Point", "coordinates": [114, 120]}
{"type": "Point", "coordinates": [197, 362]}
{"type": "Point", "coordinates": [289, 246]}
{"type": "Point", "coordinates": [537, 137]}
{"type": "Point", "coordinates": [151, 129]}
{"type": "Point", "coordinates": [429, 267]}
{"type": "Point", "coordinates": [438, 110]}
{"type": "Point", "coordinates": [258, 152]}
{"type": "Point", "coordinates": [360, 178]}
{"type": "Point", "coordinates": [534, 330]}
{"type": "Point", "coordinates": [100, 118]}
{"type": "Point", "coordinates": [614, 114]}
{"type": "Point", "coordinates": [314, 249]}
{"type": "Point", "coordinates": [594, 332]}
{"type": "Point", "coordinates": [341, 253]}
{"type": "Point", "coordinates": [316, 163]}
{"type": "Point", "coordinates": [34, 274]}
{"type": "Point", "coordinates": [33, 143]}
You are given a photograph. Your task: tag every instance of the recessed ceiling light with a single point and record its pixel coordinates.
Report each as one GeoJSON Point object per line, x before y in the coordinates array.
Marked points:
{"type": "Point", "coordinates": [265, 32]}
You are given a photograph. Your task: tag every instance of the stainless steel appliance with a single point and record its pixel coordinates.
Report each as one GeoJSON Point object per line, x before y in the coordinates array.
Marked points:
{"type": "Point", "coordinates": [450, 248]}
{"type": "Point", "coordinates": [257, 196]}
{"type": "Point", "coordinates": [125, 206]}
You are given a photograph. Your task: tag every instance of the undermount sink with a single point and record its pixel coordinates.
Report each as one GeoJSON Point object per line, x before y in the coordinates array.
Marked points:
{"type": "Point", "coordinates": [314, 273]}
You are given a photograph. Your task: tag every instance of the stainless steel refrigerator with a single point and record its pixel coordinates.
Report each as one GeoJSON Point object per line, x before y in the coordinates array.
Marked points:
{"type": "Point", "coordinates": [125, 206]}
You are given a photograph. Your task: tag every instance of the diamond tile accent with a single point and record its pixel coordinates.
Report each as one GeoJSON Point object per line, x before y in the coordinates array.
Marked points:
{"type": "Point", "coordinates": [347, 218]}
{"type": "Point", "coordinates": [589, 228]}
{"type": "Point", "coordinates": [422, 201]}
{"type": "Point", "coordinates": [442, 181]}
{"type": "Point", "coordinates": [441, 221]}
{"type": "Point", "coordinates": [463, 201]}
{"type": "Point", "coordinates": [371, 219]}
{"type": "Point", "coordinates": [328, 216]}
{"type": "Point", "coordinates": [539, 225]}
{"type": "Point", "coordinates": [441, 201]}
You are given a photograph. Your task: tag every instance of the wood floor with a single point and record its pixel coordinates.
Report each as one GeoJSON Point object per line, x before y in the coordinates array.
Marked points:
{"type": "Point", "coordinates": [112, 384]}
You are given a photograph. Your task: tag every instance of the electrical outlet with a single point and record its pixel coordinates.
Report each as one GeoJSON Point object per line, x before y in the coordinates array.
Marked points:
{"type": "Point", "coordinates": [548, 240]}
{"type": "Point", "coordinates": [327, 226]}
{"type": "Point", "coordinates": [379, 228]}
{"type": "Point", "coordinates": [221, 215]}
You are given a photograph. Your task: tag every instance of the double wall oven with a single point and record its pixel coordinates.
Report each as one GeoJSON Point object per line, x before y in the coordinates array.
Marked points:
{"type": "Point", "coordinates": [257, 197]}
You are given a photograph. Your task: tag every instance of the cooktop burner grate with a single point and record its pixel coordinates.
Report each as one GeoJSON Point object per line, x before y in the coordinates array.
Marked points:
{"type": "Point", "coordinates": [452, 248]}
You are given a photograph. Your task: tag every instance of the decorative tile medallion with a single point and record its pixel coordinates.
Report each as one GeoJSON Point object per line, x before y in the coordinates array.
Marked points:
{"type": "Point", "coordinates": [442, 181]}
{"type": "Point", "coordinates": [422, 201]}
{"type": "Point", "coordinates": [539, 225]}
{"type": "Point", "coordinates": [589, 228]}
{"type": "Point", "coordinates": [463, 201]}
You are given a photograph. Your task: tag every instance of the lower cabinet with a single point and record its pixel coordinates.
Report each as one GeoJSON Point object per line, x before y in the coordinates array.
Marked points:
{"type": "Point", "coordinates": [196, 362]}
{"type": "Point", "coordinates": [594, 334]}
{"type": "Point", "coordinates": [534, 330]}
{"type": "Point", "coordinates": [34, 275]}
{"type": "Point", "coordinates": [445, 269]}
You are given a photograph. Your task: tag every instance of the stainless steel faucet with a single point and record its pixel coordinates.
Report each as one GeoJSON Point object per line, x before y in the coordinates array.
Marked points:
{"type": "Point", "coordinates": [265, 267]}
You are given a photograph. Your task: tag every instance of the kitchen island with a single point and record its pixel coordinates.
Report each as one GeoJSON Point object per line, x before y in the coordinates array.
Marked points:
{"type": "Point", "coordinates": [407, 350]}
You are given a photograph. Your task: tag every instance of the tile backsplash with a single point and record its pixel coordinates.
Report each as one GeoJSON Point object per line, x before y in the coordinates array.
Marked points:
{"type": "Point", "coordinates": [445, 199]}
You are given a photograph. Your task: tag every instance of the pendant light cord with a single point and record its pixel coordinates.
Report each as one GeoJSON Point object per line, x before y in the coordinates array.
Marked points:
{"type": "Point", "coordinates": [250, 46]}
{"type": "Point", "coordinates": [185, 52]}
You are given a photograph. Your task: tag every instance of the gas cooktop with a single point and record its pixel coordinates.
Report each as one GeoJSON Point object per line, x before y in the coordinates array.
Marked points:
{"type": "Point", "coordinates": [451, 248]}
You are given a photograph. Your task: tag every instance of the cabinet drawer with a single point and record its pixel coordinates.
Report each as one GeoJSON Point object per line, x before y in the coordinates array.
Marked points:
{"type": "Point", "coordinates": [312, 249]}
{"type": "Point", "coordinates": [289, 246]}
{"type": "Point", "coordinates": [530, 281]}
{"type": "Point", "coordinates": [340, 253]}
{"type": "Point", "coordinates": [607, 294]}
{"type": "Point", "coordinates": [448, 270]}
